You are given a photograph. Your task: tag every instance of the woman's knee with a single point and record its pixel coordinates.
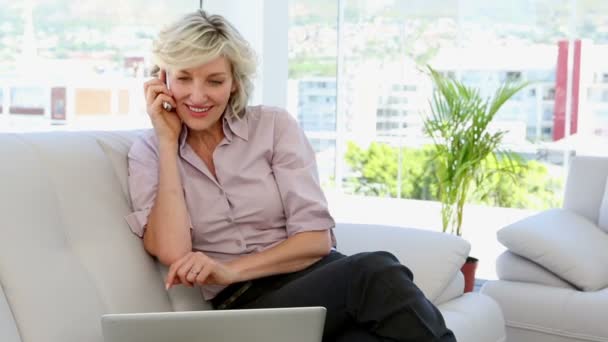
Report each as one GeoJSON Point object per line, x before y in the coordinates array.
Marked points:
{"type": "Point", "coordinates": [378, 262]}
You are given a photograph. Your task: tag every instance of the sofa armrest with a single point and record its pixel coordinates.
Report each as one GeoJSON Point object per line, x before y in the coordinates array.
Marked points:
{"type": "Point", "coordinates": [434, 258]}
{"type": "Point", "coordinates": [454, 290]}
{"type": "Point", "coordinates": [565, 243]}
{"type": "Point", "coordinates": [512, 267]}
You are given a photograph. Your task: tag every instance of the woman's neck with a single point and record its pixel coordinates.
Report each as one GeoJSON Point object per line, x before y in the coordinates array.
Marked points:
{"type": "Point", "coordinates": [207, 139]}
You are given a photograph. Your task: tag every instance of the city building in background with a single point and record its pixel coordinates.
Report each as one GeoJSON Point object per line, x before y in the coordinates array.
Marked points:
{"type": "Point", "coordinates": [76, 67]}
{"type": "Point", "coordinates": [316, 109]}
{"type": "Point", "coordinates": [358, 79]}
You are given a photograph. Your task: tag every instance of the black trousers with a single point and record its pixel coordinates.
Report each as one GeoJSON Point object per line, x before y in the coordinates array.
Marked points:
{"type": "Point", "coordinates": [368, 297]}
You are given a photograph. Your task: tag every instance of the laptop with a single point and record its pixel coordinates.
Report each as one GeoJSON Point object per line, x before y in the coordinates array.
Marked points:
{"type": "Point", "coordinates": [303, 324]}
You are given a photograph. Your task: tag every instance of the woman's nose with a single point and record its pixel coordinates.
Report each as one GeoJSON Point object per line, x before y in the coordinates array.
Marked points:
{"type": "Point", "coordinates": [199, 95]}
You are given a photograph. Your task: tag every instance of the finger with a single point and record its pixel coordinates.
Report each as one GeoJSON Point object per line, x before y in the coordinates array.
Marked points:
{"type": "Point", "coordinates": [193, 273]}
{"type": "Point", "coordinates": [170, 278]}
{"type": "Point", "coordinates": [204, 274]}
{"type": "Point", "coordinates": [158, 103]}
{"type": "Point", "coordinates": [163, 76]}
{"type": "Point", "coordinates": [156, 89]}
{"type": "Point", "coordinates": [191, 276]}
{"type": "Point", "coordinates": [182, 272]}
{"type": "Point", "coordinates": [171, 275]}
{"type": "Point", "coordinates": [151, 82]}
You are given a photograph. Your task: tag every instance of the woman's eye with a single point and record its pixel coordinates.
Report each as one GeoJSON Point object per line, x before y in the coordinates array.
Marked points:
{"type": "Point", "coordinates": [216, 82]}
{"type": "Point", "coordinates": [183, 78]}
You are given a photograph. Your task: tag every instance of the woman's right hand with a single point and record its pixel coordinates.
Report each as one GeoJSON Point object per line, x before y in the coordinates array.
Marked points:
{"type": "Point", "coordinates": [167, 124]}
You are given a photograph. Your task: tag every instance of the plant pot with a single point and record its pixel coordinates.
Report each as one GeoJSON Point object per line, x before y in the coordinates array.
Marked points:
{"type": "Point", "coordinates": [468, 270]}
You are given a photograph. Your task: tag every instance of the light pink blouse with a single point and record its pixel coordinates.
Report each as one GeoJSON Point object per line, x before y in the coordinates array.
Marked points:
{"type": "Point", "coordinates": [267, 186]}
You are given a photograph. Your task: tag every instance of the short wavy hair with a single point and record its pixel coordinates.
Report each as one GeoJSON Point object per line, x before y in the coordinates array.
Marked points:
{"type": "Point", "coordinates": [198, 38]}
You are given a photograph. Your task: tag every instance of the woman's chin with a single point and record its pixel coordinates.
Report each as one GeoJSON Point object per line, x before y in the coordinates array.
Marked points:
{"type": "Point", "coordinates": [198, 124]}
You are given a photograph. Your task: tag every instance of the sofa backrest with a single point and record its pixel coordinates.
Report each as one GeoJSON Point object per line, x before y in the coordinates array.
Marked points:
{"type": "Point", "coordinates": [67, 255]}
{"type": "Point", "coordinates": [585, 186]}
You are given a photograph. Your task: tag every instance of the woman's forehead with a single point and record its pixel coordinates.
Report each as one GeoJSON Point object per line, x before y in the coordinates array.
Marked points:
{"type": "Point", "coordinates": [216, 66]}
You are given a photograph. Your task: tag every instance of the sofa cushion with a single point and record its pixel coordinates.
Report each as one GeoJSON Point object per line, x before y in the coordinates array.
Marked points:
{"type": "Point", "coordinates": [474, 317]}
{"type": "Point", "coordinates": [116, 147]}
{"type": "Point", "coordinates": [512, 267]}
{"type": "Point", "coordinates": [603, 218]}
{"type": "Point", "coordinates": [434, 258]}
{"type": "Point", "coordinates": [567, 244]}
{"type": "Point", "coordinates": [542, 313]}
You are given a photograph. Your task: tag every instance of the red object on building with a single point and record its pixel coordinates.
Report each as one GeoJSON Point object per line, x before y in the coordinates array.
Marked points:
{"type": "Point", "coordinates": [58, 103]}
{"type": "Point", "coordinates": [561, 86]}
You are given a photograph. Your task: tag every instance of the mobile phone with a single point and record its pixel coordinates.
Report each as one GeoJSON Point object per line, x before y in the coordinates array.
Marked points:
{"type": "Point", "coordinates": [166, 105]}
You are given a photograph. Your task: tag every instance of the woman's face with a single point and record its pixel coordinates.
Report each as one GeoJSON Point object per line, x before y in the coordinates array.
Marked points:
{"type": "Point", "coordinates": [202, 93]}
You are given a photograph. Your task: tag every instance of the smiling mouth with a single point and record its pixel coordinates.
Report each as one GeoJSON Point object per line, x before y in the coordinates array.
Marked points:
{"type": "Point", "coordinates": [199, 109]}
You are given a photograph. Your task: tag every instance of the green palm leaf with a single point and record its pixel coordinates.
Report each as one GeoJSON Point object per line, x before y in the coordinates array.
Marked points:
{"type": "Point", "coordinates": [466, 151]}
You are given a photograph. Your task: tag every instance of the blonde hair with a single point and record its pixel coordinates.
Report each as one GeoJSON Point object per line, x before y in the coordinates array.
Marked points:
{"type": "Point", "coordinates": [198, 38]}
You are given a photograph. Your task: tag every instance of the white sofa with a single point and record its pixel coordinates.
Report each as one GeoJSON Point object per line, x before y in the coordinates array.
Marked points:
{"type": "Point", "coordinates": [553, 283]}
{"type": "Point", "coordinates": [67, 256]}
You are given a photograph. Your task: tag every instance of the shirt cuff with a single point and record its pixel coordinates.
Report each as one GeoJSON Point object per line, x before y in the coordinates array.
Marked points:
{"type": "Point", "coordinates": [137, 221]}
{"type": "Point", "coordinates": [315, 225]}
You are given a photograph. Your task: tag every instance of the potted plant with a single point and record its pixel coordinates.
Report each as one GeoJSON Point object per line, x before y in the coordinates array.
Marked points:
{"type": "Point", "coordinates": [466, 150]}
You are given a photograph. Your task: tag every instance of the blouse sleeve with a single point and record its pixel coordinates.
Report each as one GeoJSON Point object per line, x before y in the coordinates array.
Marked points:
{"type": "Point", "coordinates": [143, 183]}
{"type": "Point", "coordinates": [295, 171]}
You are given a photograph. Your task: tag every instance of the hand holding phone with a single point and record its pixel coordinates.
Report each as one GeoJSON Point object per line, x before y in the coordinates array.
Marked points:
{"type": "Point", "coordinates": [161, 106]}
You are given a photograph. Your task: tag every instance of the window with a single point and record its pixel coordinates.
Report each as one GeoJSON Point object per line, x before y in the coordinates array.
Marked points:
{"type": "Point", "coordinates": [589, 118]}
{"type": "Point", "coordinates": [312, 46]}
{"type": "Point", "coordinates": [27, 100]}
{"type": "Point", "coordinates": [78, 66]}
{"type": "Point", "coordinates": [382, 91]}
{"type": "Point", "coordinates": [549, 94]}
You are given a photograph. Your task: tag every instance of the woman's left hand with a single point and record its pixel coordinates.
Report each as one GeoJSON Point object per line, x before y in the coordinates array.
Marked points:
{"type": "Point", "coordinates": [197, 268]}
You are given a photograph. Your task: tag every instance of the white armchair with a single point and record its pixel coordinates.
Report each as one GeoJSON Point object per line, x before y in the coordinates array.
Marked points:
{"type": "Point", "coordinates": [554, 276]}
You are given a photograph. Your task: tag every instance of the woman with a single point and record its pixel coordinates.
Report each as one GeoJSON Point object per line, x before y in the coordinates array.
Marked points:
{"type": "Point", "coordinates": [228, 197]}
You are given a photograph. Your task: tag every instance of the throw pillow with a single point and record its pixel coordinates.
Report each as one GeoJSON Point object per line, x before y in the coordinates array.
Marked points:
{"type": "Point", "coordinates": [116, 149]}
{"type": "Point", "coordinates": [565, 243]}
